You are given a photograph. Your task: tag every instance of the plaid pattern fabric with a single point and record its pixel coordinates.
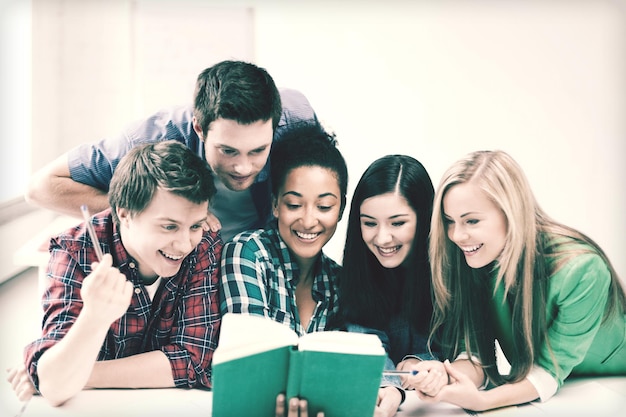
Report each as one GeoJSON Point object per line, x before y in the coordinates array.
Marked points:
{"type": "Point", "coordinates": [182, 321]}
{"type": "Point", "coordinates": [259, 277]}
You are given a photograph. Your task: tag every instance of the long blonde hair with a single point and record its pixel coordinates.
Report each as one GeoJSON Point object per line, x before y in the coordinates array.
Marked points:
{"type": "Point", "coordinates": [530, 256]}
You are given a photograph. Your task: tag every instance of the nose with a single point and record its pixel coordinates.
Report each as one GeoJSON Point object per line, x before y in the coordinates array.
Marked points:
{"type": "Point", "coordinates": [309, 218]}
{"type": "Point", "coordinates": [184, 242]}
{"type": "Point", "coordinates": [242, 166]}
{"type": "Point", "coordinates": [383, 236]}
{"type": "Point", "coordinates": [457, 234]}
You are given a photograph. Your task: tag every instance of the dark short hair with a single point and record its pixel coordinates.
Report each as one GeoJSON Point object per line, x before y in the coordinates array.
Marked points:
{"type": "Point", "coordinates": [307, 144]}
{"type": "Point", "coordinates": [236, 90]}
{"type": "Point", "coordinates": [167, 165]}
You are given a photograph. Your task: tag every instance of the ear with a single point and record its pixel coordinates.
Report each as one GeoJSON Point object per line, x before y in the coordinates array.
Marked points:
{"type": "Point", "coordinates": [197, 128]}
{"type": "Point", "coordinates": [124, 216]}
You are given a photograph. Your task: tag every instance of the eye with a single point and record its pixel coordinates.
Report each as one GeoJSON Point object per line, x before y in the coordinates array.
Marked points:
{"type": "Point", "coordinates": [472, 221]}
{"type": "Point", "coordinates": [368, 224]}
{"type": "Point", "coordinates": [447, 221]}
{"type": "Point", "coordinates": [257, 151]}
{"type": "Point", "coordinates": [292, 206]}
{"type": "Point", "coordinates": [229, 152]}
{"type": "Point", "coordinates": [324, 208]}
{"type": "Point", "coordinates": [398, 223]}
{"type": "Point", "coordinates": [196, 227]}
{"type": "Point", "coordinates": [169, 227]}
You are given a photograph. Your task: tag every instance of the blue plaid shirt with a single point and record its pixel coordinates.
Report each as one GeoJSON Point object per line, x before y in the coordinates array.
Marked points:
{"type": "Point", "coordinates": [259, 277]}
{"type": "Point", "coordinates": [93, 163]}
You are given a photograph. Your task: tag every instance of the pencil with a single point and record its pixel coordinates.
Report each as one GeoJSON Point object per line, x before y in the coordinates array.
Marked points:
{"type": "Point", "coordinates": [92, 233]}
{"type": "Point", "coordinates": [391, 373]}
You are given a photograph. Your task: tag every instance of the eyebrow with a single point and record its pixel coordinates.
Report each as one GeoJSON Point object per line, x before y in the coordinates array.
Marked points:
{"type": "Point", "coordinates": [462, 215]}
{"type": "Point", "coordinates": [297, 194]}
{"type": "Point", "coordinates": [395, 216]}
{"type": "Point", "coordinates": [170, 220]}
{"type": "Point", "coordinates": [469, 213]}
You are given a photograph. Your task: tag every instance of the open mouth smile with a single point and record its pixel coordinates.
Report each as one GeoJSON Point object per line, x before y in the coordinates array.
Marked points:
{"type": "Point", "coordinates": [172, 257]}
{"type": "Point", "coordinates": [307, 236]}
{"type": "Point", "coordinates": [470, 250]}
{"type": "Point", "coordinates": [388, 251]}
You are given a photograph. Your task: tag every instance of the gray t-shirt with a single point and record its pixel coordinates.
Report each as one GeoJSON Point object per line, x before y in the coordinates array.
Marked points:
{"type": "Point", "coordinates": [234, 209]}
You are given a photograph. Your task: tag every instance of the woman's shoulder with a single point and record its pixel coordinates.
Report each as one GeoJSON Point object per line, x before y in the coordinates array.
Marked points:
{"type": "Point", "coordinates": [578, 264]}
{"type": "Point", "coordinates": [329, 263]}
{"type": "Point", "coordinates": [250, 241]}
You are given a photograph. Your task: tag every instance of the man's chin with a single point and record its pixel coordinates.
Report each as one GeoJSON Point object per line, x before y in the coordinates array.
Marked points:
{"type": "Point", "coordinates": [234, 185]}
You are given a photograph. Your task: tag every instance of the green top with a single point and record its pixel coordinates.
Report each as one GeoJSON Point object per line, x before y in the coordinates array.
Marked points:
{"type": "Point", "coordinates": [578, 340]}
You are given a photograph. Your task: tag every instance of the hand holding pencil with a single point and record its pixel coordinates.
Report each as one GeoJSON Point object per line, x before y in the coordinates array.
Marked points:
{"type": "Point", "coordinates": [106, 292]}
{"type": "Point", "coordinates": [426, 377]}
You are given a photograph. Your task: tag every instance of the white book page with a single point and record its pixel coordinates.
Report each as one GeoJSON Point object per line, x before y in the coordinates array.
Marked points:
{"type": "Point", "coordinates": [342, 342]}
{"type": "Point", "coordinates": [244, 335]}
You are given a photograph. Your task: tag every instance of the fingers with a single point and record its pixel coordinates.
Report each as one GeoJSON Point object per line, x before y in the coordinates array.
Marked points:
{"type": "Point", "coordinates": [434, 382]}
{"type": "Point", "coordinates": [280, 405]}
{"type": "Point", "coordinates": [453, 373]}
{"type": "Point", "coordinates": [212, 223]}
{"type": "Point", "coordinates": [389, 401]}
{"type": "Point", "coordinates": [295, 408]}
{"type": "Point", "coordinates": [21, 383]}
{"type": "Point", "coordinates": [298, 408]}
{"type": "Point", "coordinates": [106, 292]}
{"type": "Point", "coordinates": [431, 377]}
{"type": "Point", "coordinates": [104, 264]}
{"type": "Point", "coordinates": [410, 382]}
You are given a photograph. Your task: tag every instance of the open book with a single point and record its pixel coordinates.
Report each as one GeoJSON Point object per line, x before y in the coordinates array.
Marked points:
{"type": "Point", "coordinates": [257, 358]}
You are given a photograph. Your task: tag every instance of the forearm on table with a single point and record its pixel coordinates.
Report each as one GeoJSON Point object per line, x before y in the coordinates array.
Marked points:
{"type": "Point", "coordinates": [64, 369]}
{"type": "Point", "coordinates": [144, 370]}
{"type": "Point", "coordinates": [510, 394]}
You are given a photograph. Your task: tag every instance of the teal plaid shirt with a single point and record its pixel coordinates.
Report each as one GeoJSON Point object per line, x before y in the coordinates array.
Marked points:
{"type": "Point", "coordinates": [258, 277]}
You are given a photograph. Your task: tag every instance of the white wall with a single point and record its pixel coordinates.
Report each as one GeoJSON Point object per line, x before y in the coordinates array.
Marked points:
{"type": "Point", "coordinates": [15, 95]}
{"type": "Point", "coordinates": [541, 79]}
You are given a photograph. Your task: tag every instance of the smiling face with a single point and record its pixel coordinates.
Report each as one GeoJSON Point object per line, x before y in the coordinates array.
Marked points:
{"type": "Point", "coordinates": [308, 208]}
{"type": "Point", "coordinates": [388, 226]}
{"type": "Point", "coordinates": [163, 234]}
{"type": "Point", "coordinates": [474, 223]}
{"type": "Point", "coordinates": [236, 152]}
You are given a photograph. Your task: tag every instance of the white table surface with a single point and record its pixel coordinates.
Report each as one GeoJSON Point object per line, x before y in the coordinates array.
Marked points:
{"type": "Point", "coordinates": [597, 397]}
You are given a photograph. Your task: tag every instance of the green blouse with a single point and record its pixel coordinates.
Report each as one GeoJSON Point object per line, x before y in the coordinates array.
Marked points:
{"type": "Point", "coordinates": [579, 341]}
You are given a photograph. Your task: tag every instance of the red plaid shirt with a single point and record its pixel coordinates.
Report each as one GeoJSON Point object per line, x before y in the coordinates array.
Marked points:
{"type": "Point", "coordinates": [182, 321]}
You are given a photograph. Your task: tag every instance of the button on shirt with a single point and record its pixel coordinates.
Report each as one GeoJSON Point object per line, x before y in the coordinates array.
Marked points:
{"type": "Point", "coordinates": [182, 321]}
{"type": "Point", "coordinates": [259, 277]}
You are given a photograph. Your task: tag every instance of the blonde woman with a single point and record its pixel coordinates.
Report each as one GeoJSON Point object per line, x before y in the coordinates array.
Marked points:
{"type": "Point", "coordinates": [503, 270]}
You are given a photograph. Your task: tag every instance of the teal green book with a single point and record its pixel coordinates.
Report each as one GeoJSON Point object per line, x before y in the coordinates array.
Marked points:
{"type": "Point", "coordinates": [257, 358]}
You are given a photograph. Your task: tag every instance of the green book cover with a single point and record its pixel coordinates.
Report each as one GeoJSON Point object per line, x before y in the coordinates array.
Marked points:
{"type": "Point", "coordinates": [339, 384]}
{"type": "Point", "coordinates": [248, 386]}
{"type": "Point", "coordinates": [338, 373]}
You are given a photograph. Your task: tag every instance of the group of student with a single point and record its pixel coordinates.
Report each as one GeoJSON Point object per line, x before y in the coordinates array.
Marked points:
{"type": "Point", "coordinates": [197, 218]}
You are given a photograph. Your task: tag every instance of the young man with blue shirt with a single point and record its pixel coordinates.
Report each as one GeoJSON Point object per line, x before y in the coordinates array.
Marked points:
{"type": "Point", "coordinates": [237, 114]}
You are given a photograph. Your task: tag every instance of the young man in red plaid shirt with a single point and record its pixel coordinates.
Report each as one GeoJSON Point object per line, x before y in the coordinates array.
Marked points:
{"type": "Point", "coordinates": [147, 314]}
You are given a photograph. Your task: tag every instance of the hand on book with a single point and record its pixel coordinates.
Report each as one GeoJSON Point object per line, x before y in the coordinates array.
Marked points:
{"type": "Point", "coordinates": [297, 407]}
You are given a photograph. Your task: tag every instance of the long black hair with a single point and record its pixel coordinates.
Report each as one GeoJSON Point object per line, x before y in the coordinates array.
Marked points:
{"type": "Point", "coordinates": [370, 294]}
